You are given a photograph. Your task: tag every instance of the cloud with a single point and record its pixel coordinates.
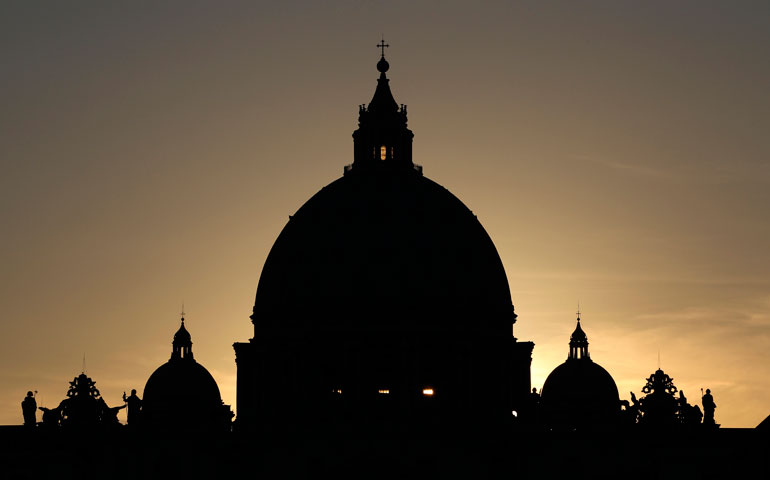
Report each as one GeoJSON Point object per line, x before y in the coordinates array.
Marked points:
{"type": "Point", "coordinates": [633, 169]}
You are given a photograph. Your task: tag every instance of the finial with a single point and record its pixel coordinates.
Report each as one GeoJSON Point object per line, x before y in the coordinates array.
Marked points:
{"type": "Point", "coordinates": [182, 313]}
{"type": "Point", "coordinates": [578, 312]}
{"type": "Point", "coordinates": [383, 65]}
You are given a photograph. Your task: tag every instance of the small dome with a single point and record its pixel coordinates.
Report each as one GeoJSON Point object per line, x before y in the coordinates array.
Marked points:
{"type": "Point", "coordinates": [579, 393]}
{"type": "Point", "coordinates": [181, 393]}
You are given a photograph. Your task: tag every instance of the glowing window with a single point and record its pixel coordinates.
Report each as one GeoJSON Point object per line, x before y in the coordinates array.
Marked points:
{"type": "Point", "coordinates": [383, 152]}
{"type": "Point", "coordinates": [383, 392]}
{"type": "Point", "coordinates": [428, 392]}
{"type": "Point", "coordinates": [338, 391]}
{"type": "Point", "coordinates": [514, 413]}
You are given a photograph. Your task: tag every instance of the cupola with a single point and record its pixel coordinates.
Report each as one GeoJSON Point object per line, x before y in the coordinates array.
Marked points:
{"type": "Point", "coordinates": [182, 344]}
{"type": "Point", "coordinates": [382, 138]}
{"type": "Point", "coordinates": [578, 343]}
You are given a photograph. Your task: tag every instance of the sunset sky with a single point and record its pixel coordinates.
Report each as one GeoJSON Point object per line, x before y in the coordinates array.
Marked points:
{"type": "Point", "coordinates": [616, 152]}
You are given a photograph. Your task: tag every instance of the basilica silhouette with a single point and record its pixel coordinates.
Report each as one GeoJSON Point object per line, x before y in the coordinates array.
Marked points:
{"type": "Point", "coordinates": [384, 343]}
{"type": "Point", "coordinates": [383, 297]}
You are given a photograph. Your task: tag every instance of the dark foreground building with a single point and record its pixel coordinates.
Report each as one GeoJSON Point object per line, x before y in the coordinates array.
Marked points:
{"type": "Point", "coordinates": [383, 299]}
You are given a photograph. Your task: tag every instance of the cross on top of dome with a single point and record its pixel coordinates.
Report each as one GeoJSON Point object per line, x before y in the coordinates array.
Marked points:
{"type": "Point", "coordinates": [383, 46]}
{"type": "Point", "coordinates": [383, 65]}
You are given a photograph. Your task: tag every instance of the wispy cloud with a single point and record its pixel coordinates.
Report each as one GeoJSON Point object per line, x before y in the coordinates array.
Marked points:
{"type": "Point", "coordinates": [630, 168]}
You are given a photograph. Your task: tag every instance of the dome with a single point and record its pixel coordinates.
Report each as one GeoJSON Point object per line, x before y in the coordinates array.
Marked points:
{"type": "Point", "coordinates": [180, 384]}
{"type": "Point", "coordinates": [382, 297]}
{"type": "Point", "coordinates": [391, 239]}
{"type": "Point", "coordinates": [579, 393]}
{"type": "Point", "coordinates": [181, 393]}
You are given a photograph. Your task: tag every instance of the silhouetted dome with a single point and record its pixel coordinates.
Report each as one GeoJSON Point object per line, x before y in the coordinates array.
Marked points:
{"type": "Point", "coordinates": [392, 240]}
{"type": "Point", "coordinates": [383, 296]}
{"type": "Point", "coordinates": [180, 384]}
{"type": "Point", "coordinates": [579, 392]}
{"type": "Point", "coordinates": [181, 393]}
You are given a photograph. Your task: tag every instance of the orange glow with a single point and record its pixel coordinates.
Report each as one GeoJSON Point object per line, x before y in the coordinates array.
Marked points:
{"type": "Point", "coordinates": [109, 206]}
{"type": "Point", "coordinates": [428, 392]}
{"type": "Point", "coordinates": [383, 152]}
{"type": "Point", "coordinates": [383, 392]}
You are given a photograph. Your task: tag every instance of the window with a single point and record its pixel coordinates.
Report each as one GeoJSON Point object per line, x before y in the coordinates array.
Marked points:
{"type": "Point", "coordinates": [383, 152]}
{"type": "Point", "coordinates": [383, 391]}
{"type": "Point", "coordinates": [428, 392]}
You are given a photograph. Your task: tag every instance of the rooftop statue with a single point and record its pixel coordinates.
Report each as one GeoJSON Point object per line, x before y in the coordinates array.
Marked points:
{"type": "Point", "coordinates": [659, 406]}
{"type": "Point", "coordinates": [708, 409]}
{"type": "Point", "coordinates": [28, 410]}
{"type": "Point", "coordinates": [83, 408]}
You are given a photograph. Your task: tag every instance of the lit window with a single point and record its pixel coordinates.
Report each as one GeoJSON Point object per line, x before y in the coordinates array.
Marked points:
{"type": "Point", "coordinates": [383, 392]}
{"type": "Point", "coordinates": [338, 391]}
{"type": "Point", "coordinates": [428, 392]}
{"type": "Point", "coordinates": [514, 413]}
{"type": "Point", "coordinates": [383, 152]}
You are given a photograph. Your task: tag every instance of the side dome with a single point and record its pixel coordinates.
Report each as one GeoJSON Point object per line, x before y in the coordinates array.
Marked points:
{"type": "Point", "coordinates": [579, 393]}
{"type": "Point", "coordinates": [182, 394]}
{"type": "Point", "coordinates": [179, 392]}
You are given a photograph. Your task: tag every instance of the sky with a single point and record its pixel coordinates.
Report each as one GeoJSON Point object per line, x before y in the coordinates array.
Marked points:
{"type": "Point", "coordinates": [616, 152]}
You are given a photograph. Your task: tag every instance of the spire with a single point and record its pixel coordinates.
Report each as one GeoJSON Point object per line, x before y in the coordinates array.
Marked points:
{"type": "Point", "coordinates": [382, 138]}
{"type": "Point", "coordinates": [578, 342]}
{"type": "Point", "coordinates": [383, 101]}
{"type": "Point", "coordinates": [182, 343]}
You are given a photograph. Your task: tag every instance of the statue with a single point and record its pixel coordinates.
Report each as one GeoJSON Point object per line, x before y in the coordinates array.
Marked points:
{"type": "Point", "coordinates": [81, 407]}
{"type": "Point", "coordinates": [532, 408]}
{"type": "Point", "coordinates": [689, 415]}
{"type": "Point", "coordinates": [630, 410]}
{"type": "Point", "coordinates": [659, 407]}
{"type": "Point", "coordinates": [134, 404]}
{"type": "Point", "coordinates": [697, 415]}
{"type": "Point", "coordinates": [708, 409]}
{"type": "Point", "coordinates": [108, 416]}
{"type": "Point", "coordinates": [51, 417]}
{"type": "Point", "coordinates": [29, 410]}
